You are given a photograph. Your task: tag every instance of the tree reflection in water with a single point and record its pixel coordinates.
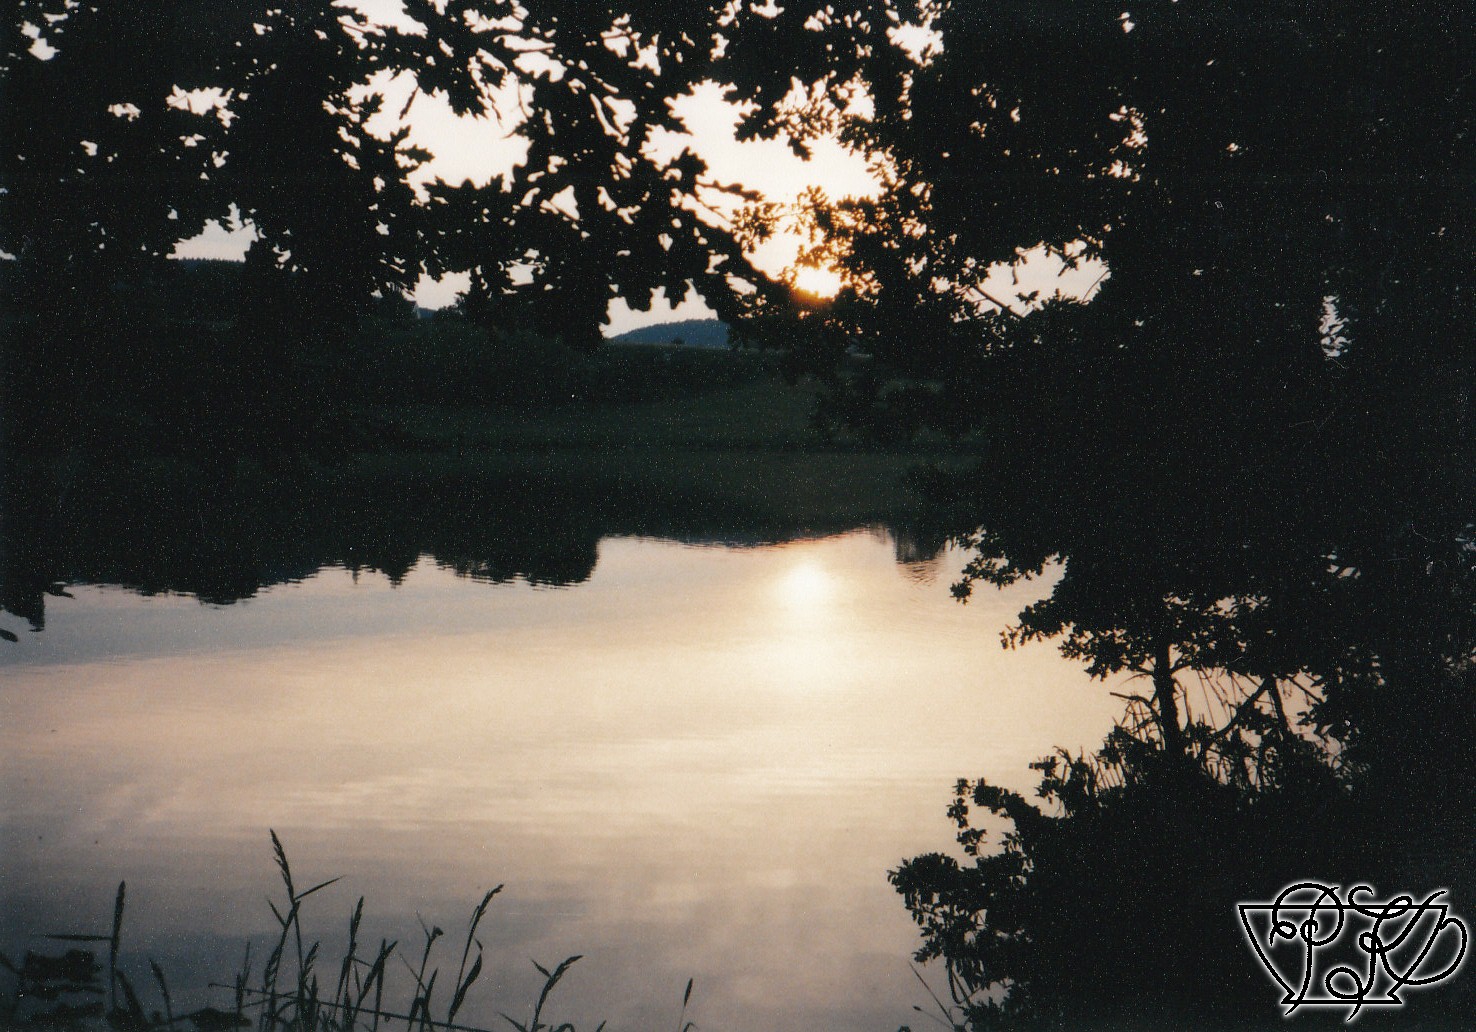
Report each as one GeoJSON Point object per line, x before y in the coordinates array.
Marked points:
{"type": "Point", "coordinates": [1300, 705]}
{"type": "Point", "coordinates": [1248, 453]}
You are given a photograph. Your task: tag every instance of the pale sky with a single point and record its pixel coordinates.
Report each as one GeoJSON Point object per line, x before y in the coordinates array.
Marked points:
{"type": "Point", "coordinates": [477, 149]}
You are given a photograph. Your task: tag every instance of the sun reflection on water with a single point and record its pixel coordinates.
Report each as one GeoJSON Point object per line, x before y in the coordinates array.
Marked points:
{"type": "Point", "coordinates": [700, 763]}
{"type": "Point", "coordinates": [806, 586]}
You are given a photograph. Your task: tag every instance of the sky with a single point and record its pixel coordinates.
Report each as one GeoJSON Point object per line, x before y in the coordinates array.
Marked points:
{"type": "Point", "coordinates": [477, 149]}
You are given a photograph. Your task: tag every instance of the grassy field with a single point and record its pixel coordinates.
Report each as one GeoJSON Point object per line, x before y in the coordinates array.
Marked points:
{"type": "Point", "coordinates": [747, 448]}
{"type": "Point", "coordinates": [764, 416]}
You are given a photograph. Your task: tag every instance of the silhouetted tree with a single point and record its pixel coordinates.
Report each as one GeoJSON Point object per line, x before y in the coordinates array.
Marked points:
{"type": "Point", "coordinates": [1267, 392]}
{"type": "Point", "coordinates": [1246, 452]}
{"type": "Point", "coordinates": [329, 198]}
{"type": "Point", "coordinates": [101, 166]}
{"type": "Point", "coordinates": [599, 208]}
{"type": "Point", "coordinates": [127, 131]}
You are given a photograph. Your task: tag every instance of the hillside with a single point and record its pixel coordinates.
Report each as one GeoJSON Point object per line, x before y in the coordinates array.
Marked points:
{"type": "Point", "coordinates": [694, 333]}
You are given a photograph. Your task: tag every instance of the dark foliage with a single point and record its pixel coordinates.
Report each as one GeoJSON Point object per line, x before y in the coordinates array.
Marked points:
{"type": "Point", "coordinates": [128, 130]}
{"type": "Point", "coordinates": [1247, 455]}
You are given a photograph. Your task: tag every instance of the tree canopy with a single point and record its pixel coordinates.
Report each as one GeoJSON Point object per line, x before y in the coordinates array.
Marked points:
{"type": "Point", "coordinates": [128, 130]}
{"type": "Point", "coordinates": [1244, 456]}
{"type": "Point", "coordinates": [1244, 451]}
{"type": "Point", "coordinates": [1270, 383]}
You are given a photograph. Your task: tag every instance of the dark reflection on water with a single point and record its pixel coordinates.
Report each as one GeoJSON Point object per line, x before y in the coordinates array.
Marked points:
{"type": "Point", "coordinates": [649, 759]}
{"type": "Point", "coordinates": [696, 764]}
{"type": "Point", "coordinates": [703, 762]}
{"type": "Point", "coordinates": [224, 539]}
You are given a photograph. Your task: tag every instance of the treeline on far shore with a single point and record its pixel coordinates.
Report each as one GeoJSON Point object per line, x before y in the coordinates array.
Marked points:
{"type": "Point", "coordinates": [193, 359]}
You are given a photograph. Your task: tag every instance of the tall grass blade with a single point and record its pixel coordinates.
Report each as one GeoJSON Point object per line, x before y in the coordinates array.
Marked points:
{"type": "Point", "coordinates": [374, 980]}
{"type": "Point", "coordinates": [113, 941]}
{"type": "Point", "coordinates": [280, 855]}
{"type": "Point", "coordinates": [478, 912]}
{"type": "Point", "coordinates": [163, 991]}
{"type": "Point", "coordinates": [279, 852]}
{"type": "Point", "coordinates": [321, 885]}
{"type": "Point", "coordinates": [384, 952]}
{"type": "Point", "coordinates": [133, 1018]}
{"type": "Point", "coordinates": [464, 981]}
{"type": "Point", "coordinates": [271, 973]}
{"type": "Point", "coordinates": [242, 978]}
{"type": "Point", "coordinates": [548, 986]}
{"type": "Point", "coordinates": [683, 1025]}
{"type": "Point", "coordinates": [350, 956]}
{"type": "Point", "coordinates": [425, 1003]}
{"type": "Point", "coordinates": [947, 1016]}
{"type": "Point", "coordinates": [431, 935]}
{"type": "Point", "coordinates": [307, 990]}
{"type": "Point", "coordinates": [456, 1001]}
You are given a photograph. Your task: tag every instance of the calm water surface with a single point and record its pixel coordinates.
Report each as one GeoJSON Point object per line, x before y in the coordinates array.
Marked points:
{"type": "Point", "coordinates": [699, 763]}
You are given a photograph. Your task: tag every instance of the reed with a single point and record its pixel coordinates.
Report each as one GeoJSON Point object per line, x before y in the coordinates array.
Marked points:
{"type": "Point", "coordinates": [68, 991]}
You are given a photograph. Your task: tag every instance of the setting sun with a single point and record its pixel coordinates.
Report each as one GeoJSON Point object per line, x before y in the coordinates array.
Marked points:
{"type": "Point", "coordinates": [817, 282]}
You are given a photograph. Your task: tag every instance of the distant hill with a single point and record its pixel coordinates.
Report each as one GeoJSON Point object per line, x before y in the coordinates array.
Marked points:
{"type": "Point", "coordinates": [694, 333]}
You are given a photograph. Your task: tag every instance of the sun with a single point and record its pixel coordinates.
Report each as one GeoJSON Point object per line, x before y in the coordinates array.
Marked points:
{"type": "Point", "coordinates": [817, 282]}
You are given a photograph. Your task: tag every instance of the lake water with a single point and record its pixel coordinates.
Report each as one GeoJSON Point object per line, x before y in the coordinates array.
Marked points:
{"type": "Point", "coordinates": [699, 763]}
